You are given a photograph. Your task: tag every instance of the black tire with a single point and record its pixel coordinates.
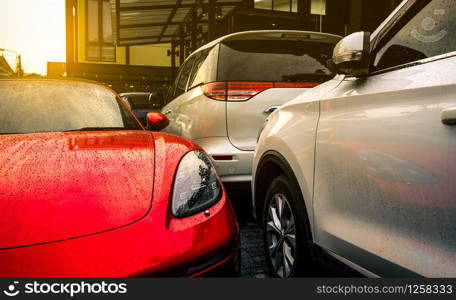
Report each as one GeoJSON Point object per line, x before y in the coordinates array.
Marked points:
{"type": "Point", "coordinates": [282, 188]}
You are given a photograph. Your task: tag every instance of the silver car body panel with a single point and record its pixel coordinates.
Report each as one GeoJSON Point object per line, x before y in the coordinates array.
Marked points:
{"type": "Point", "coordinates": [244, 119]}
{"type": "Point", "coordinates": [195, 116]}
{"type": "Point", "coordinates": [384, 139]}
{"type": "Point", "coordinates": [290, 131]}
{"type": "Point", "coordinates": [236, 170]}
{"type": "Point", "coordinates": [376, 166]}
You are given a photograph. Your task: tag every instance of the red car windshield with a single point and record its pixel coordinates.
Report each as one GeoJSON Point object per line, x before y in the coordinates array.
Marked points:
{"type": "Point", "coordinates": [30, 106]}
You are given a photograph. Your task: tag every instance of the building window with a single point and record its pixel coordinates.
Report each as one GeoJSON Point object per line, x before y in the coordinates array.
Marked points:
{"type": "Point", "coordinates": [99, 44]}
{"type": "Point", "coordinates": [263, 4]}
{"type": "Point", "coordinates": [282, 5]}
{"type": "Point", "coordinates": [318, 7]}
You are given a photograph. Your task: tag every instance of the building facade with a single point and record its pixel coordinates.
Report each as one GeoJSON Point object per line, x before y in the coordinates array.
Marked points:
{"type": "Point", "coordinates": [94, 52]}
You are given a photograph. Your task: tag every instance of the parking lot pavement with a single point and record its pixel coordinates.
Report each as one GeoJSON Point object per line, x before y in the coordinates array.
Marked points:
{"type": "Point", "coordinates": [253, 261]}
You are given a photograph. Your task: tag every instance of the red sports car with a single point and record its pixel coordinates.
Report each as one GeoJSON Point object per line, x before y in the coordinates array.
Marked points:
{"type": "Point", "coordinates": [85, 191]}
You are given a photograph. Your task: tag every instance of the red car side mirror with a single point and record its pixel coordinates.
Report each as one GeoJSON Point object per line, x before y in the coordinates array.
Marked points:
{"type": "Point", "coordinates": [156, 121]}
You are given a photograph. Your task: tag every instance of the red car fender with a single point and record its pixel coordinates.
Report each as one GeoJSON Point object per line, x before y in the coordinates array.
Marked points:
{"type": "Point", "coordinates": [154, 244]}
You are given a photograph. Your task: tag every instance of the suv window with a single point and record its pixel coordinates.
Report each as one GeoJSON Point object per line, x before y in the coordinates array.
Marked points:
{"type": "Point", "coordinates": [199, 60]}
{"type": "Point", "coordinates": [172, 87]}
{"type": "Point", "coordinates": [202, 70]}
{"type": "Point", "coordinates": [183, 77]}
{"type": "Point", "coordinates": [274, 60]}
{"type": "Point", "coordinates": [431, 32]}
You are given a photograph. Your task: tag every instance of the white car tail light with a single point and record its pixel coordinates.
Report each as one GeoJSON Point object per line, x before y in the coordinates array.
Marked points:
{"type": "Point", "coordinates": [243, 91]}
{"type": "Point", "coordinates": [215, 90]}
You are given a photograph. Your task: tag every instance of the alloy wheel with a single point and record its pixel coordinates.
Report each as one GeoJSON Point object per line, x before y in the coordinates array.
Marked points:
{"type": "Point", "coordinates": [281, 235]}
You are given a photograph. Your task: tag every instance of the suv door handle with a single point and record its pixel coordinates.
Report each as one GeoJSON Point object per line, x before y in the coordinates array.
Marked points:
{"type": "Point", "coordinates": [271, 109]}
{"type": "Point", "coordinates": [168, 112]}
{"type": "Point", "coordinates": [449, 116]}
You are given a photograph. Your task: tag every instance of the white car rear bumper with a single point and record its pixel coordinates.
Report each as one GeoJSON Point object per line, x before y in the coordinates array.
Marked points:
{"type": "Point", "coordinates": [232, 164]}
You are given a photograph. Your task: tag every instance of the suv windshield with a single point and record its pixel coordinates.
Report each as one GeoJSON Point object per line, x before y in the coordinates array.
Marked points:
{"type": "Point", "coordinates": [274, 60]}
{"type": "Point", "coordinates": [44, 106]}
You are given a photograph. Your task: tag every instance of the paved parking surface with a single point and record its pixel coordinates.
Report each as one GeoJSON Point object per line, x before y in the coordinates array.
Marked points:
{"type": "Point", "coordinates": [253, 262]}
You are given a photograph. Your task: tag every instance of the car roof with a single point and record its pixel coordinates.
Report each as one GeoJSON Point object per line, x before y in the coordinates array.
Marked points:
{"type": "Point", "coordinates": [273, 35]}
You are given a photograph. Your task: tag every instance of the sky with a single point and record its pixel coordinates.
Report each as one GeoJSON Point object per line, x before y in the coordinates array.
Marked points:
{"type": "Point", "coordinates": [35, 29]}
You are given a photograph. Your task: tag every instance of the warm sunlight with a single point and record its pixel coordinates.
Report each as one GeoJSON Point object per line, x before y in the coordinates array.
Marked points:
{"type": "Point", "coordinates": [34, 29]}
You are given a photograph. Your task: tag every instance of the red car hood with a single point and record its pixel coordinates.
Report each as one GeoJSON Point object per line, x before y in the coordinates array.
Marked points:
{"type": "Point", "coordinates": [56, 186]}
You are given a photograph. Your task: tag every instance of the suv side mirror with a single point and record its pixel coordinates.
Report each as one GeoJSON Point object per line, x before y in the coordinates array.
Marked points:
{"type": "Point", "coordinates": [156, 121]}
{"type": "Point", "coordinates": [352, 55]}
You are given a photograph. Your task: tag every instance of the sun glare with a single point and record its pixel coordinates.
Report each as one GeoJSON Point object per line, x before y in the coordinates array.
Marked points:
{"type": "Point", "coordinates": [35, 29]}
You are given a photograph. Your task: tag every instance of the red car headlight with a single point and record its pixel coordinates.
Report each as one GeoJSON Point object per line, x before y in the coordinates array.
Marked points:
{"type": "Point", "coordinates": [196, 186]}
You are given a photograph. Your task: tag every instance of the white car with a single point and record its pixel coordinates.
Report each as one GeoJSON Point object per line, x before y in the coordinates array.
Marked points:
{"type": "Point", "coordinates": [226, 89]}
{"type": "Point", "coordinates": [363, 168]}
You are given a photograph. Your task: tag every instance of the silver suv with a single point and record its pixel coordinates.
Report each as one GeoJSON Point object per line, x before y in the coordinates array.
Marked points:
{"type": "Point", "coordinates": [363, 167]}
{"type": "Point", "coordinates": [226, 89]}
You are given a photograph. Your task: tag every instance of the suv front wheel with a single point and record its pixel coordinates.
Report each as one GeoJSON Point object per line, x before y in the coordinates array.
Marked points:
{"type": "Point", "coordinates": [286, 240]}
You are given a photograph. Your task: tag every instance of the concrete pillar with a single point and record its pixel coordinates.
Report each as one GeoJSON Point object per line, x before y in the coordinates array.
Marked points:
{"type": "Point", "coordinates": [356, 16]}
{"type": "Point", "coordinates": [303, 15]}
{"type": "Point", "coordinates": [211, 19]}
{"type": "Point", "coordinates": [194, 30]}
{"type": "Point", "coordinates": [173, 59]}
{"type": "Point", "coordinates": [337, 17]}
{"type": "Point", "coordinates": [71, 45]}
{"type": "Point", "coordinates": [181, 46]}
